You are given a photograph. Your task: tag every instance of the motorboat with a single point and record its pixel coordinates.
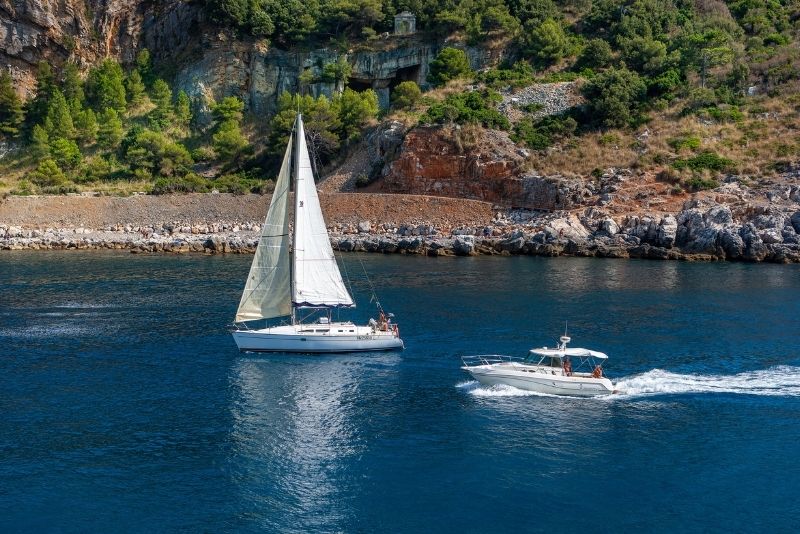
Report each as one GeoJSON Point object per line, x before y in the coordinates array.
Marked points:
{"type": "Point", "coordinates": [294, 275]}
{"type": "Point", "coordinates": [560, 370]}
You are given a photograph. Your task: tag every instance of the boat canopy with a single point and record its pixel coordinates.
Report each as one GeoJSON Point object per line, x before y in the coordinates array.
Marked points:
{"type": "Point", "coordinates": [560, 353]}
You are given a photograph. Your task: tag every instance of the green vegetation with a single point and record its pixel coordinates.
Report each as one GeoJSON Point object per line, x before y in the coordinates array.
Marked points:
{"type": "Point", "coordinates": [705, 161]}
{"type": "Point", "coordinates": [474, 107]}
{"type": "Point", "coordinates": [451, 63]}
{"type": "Point", "coordinates": [406, 95]}
{"type": "Point", "coordinates": [542, 133]}
{"type": "Point", "coordinates": [11, 113]}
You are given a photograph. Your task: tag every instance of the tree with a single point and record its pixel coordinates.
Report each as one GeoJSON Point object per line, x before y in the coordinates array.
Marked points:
{"type": "Point", "coordinates": [86, 126]}
{"type": "Point", "coordinates": [59, 119]}
{"type": "Point", "coordinates": [548, 42]}
{"type": "Point", "coordinates": [597, 54]}
{"type": "Point", "coordinates": [40, 143]}
{"type": "Point", "coordinates": [229, 142]}
{"type": "Point", "coordinates": [47, 174]}
{"type": "Point", "coordinates": [161, 95]}
{"type": "Point", "coordinates": [260, 22]}
{"type": "Point", "coordinates": [615, 97]}
{"type": "Point", "coordinates": [644, 55]}
{"type": "Point", "coordinates": [321, 125]}
{"type": "Point", "coordinates": [406, 95]}
{"type": "Point", "coordinates": [451, 63]}
{"type": "Point", "coordinates": [183, 109]}
{"type": "Point", "coordinates": [11, 113]}
{"type": "Point", "coordinates": [109, 134]}
{"type": "Point", "coordinates": [65, 152]}
{"type": "Point", "coordinates": [73, 87]}
{"type": "Point", "coordinates": [136, 89]}
{"type": "Point", "coordinates": [337, 71]}
{"type": "Point", "coordinates": [153, 152]}
{"type": "Point", "coordinates": [231, 108]}
{"type": "Point", "coordinates": [105, 86]}
{"type": "Point", "coordinates": [45, 84]}
{"type": "Point", "coordinates": [354, 110]}
{"type": "Point", "coordinates": [145, 67]}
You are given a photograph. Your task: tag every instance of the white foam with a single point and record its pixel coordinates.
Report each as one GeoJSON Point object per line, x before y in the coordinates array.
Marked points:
{"type": "Point", "coordinates": [783, 380]}
{"type": "Point", "coordinates": [473, 387]}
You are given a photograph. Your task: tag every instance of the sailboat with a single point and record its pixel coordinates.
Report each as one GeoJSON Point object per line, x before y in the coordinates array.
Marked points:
{"type": "Point", "coordinates": [294, 275]}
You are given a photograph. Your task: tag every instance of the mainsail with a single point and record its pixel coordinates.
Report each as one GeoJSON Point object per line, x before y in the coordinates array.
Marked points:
{"type": "Point", "coordinates": [267, 293]}
{"type": "Point", "coordinates": [316, 277]}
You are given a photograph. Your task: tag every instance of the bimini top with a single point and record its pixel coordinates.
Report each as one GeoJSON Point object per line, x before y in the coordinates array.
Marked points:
{"type": "Point", "coordinates": [562, 352]}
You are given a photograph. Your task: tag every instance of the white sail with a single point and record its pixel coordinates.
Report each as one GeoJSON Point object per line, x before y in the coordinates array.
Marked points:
{"type": "Point", "coordinates": [267, 293]}
{"type": "Point", "coordinates": [316, 277]}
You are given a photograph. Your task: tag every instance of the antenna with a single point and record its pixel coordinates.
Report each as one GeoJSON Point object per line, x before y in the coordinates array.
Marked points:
{"type": "Point", "coordinates": [565, 338]}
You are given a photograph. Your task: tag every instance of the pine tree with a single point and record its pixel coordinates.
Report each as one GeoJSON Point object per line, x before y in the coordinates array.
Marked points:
{"type": "Point", "coordinates": [109, 134]}
{"type": "Point", "coordinates": [144, 66]}
{"type": "Point", "coordinates": [105, 86]}
{"type": "Point", "coordinates": [59, 119]}
{"type": "Point", "coordinates": [183, 109]}
{"type": "Point", "coordinates": [40, 143]}
{"type": "Point", "coordinates": [86, 126]}
{"type": "Point", "coordinates": [161, 96]}
{"type": "Point", "coordinates": [136, 89]}
{"type": "Point", "coordinates": [73, 88]}
{"type": "Point", "coordinates": [11, 112]}
{"type": "Point", "coordinates": [45, 84]}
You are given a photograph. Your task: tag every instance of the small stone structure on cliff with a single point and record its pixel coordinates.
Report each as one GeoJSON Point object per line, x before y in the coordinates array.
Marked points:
{"type": "Point", "coordinates": [405, 23]}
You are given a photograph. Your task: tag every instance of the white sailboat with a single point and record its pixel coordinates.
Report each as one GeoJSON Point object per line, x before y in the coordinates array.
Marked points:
{"type": "Point", "coordinates": [296, 273]}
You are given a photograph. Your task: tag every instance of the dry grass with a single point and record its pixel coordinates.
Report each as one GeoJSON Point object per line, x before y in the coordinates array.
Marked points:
{"type": "Point", "coordinates": [767, 138]}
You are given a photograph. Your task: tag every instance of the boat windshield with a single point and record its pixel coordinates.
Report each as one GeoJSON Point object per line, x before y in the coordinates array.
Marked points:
{"type": "Point", "coordinates": [545, 361]}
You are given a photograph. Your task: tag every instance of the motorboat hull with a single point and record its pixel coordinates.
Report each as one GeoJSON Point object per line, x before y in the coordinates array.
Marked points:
{"type": "Point", "coordinates": [333, 338]}
{"type": "Point", "coordinates": [573, 386]}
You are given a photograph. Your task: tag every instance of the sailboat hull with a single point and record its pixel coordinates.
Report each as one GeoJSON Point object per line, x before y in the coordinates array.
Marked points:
{"type": "Point", "coordinates": [317, 338]}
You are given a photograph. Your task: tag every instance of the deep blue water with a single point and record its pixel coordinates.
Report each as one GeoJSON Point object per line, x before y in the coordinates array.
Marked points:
{"type": "Point", "coordinates": [124, 405]}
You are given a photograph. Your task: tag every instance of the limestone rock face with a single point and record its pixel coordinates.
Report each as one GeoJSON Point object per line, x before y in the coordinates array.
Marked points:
{"type": "Point", "coordinates": [85, 31]}
{"type": "Point", "coordinates": [439, 160]}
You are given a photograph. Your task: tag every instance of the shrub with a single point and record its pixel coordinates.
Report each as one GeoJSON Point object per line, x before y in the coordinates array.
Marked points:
{"type": "Point", "coordinates": [697, 183]}
{"type": "Point", "coordinates": [520, 75]}
{"type": "Point", "coordinates": [191, 183]}
{"type": "Point", "coordinates": [692, 142]}
{"type": "Point", "coordinates": [705, 160]}
{"type": "Point", "coordinates": [66, 153]}
{"type": "Point", "coordinates": [47, 174]}
{"type": "Point", "coordinates": [597, 54]}
{"type": "Point", "coordinates": [615, 97]}
{"type": "Point", "coordinates": [542, 133]}
{"type": "Point", "coordinates": [476, 107]}
{"type": "Point", "coordinates": [406, 95]}
{"type": "Point", "coordinates": [451, 63]}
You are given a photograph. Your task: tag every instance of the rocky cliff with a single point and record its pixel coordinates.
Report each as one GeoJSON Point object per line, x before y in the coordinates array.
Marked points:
{"type": "Point", "coordinates": [207, 62]}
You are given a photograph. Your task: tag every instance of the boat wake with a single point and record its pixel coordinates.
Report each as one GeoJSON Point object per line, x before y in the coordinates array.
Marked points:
{"type": "Point", "coordinates": [473, 387]}
{"type": "Point", "coordinates": [783, 381]}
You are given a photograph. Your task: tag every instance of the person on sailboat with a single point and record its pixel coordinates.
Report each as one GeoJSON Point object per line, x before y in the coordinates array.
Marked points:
{"type": "Point", "coordinates": [383, 323]}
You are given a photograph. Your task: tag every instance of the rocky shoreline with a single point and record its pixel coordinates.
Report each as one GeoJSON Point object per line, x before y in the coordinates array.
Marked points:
{"type": "Point", "coordinates": [702, 231]}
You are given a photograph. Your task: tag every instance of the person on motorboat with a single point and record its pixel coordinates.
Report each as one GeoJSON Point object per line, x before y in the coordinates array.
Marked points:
{"type": "Point", "coordinates": [567, 366]}
{"type": "Point", "coordinates": [598, 372]}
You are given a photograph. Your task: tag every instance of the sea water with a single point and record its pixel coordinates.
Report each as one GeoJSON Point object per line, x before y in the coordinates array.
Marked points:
{"type": "Point", "coordinates": [125, 406]}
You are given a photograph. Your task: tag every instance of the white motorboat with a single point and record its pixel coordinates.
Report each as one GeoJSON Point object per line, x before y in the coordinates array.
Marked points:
{"type": "Point", "coordinates": [295, 276]}
{"type": "Point", "coordinates": [545, 370]}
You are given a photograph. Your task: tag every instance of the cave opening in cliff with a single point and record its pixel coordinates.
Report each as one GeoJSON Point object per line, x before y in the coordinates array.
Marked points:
{"type": "Point", "coordinates": [406, 74]}
{"type": "Point", "coordinates": [357, 84]}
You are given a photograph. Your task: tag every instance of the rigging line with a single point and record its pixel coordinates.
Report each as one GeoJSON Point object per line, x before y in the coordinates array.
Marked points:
{"type": "Point", "coordinates": [371, 287]}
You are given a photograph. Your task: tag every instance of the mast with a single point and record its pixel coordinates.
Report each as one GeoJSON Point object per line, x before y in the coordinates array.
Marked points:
{"type": "Point", "coordinates": [295, 174]}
